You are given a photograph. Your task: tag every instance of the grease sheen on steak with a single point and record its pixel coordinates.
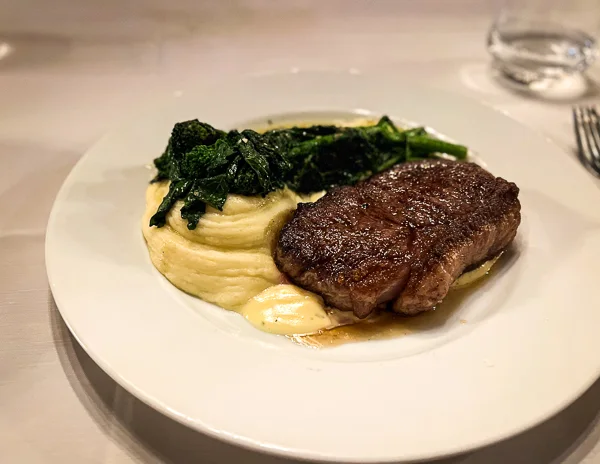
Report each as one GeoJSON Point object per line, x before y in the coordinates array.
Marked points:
{"type": "Point", "coordinates": [399, 238]}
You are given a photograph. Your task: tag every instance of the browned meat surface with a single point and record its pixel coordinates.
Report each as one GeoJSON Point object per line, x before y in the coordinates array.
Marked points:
{"type": "Point", "coordinates": [401, 237]}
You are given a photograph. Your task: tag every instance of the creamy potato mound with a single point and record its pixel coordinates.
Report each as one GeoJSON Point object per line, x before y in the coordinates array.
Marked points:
{"type": "Point", "coordinates": [227, 259]}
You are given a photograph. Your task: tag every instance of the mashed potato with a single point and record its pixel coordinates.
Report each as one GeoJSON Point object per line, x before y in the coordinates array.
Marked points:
{"type": "Point", "coordinates": [287, 310]}
{"type": "Point", "coordinates": [227, 259]}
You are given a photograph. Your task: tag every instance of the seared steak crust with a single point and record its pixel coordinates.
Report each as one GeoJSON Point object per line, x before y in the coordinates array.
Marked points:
{"type": "Point", "coordinates": [401, 237]}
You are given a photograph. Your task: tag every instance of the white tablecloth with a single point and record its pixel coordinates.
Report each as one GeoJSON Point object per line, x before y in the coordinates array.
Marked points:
{"type": "Point", "coordinates": [79, 68]}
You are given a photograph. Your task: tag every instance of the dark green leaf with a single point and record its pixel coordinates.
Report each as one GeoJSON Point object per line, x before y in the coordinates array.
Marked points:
{"type": "Point", "coordinates": [163, 165]}
{"type": "Point", "coordinates": [189, 134]}
{"type": "Point", "coordinates": [256, 160]}
{"type": "Point", "coordinates": [177, 190]}
{"type": "Point", "coordinates": [245, 181]}
{"type": "Point", "coordinates": [203, 160]}
{"type": "Point", "coordinates": [210, 191]}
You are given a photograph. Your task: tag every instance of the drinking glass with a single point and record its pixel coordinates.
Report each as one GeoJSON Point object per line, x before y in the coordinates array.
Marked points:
{"type": "Point", "coordinates": [535, 41]}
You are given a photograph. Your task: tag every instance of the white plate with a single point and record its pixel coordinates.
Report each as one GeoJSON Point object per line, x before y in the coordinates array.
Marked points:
{"type": "Point", "coordinates": [528, 348]}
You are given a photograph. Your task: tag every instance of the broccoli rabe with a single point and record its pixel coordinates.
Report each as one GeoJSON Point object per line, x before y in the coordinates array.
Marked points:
{"type": "Point", "coordinates": [205, 164]}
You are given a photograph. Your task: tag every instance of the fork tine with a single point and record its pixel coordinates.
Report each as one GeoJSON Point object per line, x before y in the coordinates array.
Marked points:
{"type": "Point", "coordinates": [584, 152]}
{"type": "Point", "coordinates": [593, 135]}
{"type": "Point", "coordinates": [595, 122]}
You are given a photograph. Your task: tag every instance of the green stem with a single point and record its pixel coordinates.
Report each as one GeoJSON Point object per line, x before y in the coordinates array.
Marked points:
{"type": "Point", "coordinates": [430, 145]}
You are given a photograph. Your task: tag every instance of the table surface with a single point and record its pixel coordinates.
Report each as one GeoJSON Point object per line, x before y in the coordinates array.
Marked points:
{"type": "Point", "coordinates": [77, 69]}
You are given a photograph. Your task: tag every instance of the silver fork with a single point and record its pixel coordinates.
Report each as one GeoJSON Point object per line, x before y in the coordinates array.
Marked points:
{"type": "Point", "coordinates": [587, 131]}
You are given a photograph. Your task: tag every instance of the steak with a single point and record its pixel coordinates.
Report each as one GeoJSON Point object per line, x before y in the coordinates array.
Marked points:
{"type": "Point", "coordinates": [399, 238]}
